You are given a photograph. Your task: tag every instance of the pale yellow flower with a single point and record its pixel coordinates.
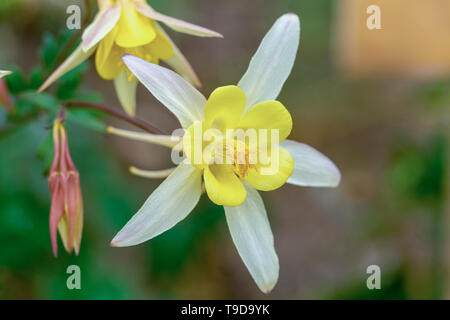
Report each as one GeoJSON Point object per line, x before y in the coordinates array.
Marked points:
{"type": "Point", "coordinates": [130, 27]}
{"type": "Point", "coordinates": [252, 104]}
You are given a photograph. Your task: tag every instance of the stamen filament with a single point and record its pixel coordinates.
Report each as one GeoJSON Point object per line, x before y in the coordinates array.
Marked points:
{"type": "Point", "coordinates": [152, 174]}
{"type": "Point", "coordinates": [163, 140]}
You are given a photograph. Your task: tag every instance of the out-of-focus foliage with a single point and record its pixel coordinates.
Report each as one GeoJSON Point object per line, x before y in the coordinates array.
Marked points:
{"type": "Point", "coordinates": [23, 87]}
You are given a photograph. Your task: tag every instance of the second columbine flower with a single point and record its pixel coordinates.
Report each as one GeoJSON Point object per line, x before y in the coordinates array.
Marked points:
{"type": "Point", "coordinates": [130, 26]}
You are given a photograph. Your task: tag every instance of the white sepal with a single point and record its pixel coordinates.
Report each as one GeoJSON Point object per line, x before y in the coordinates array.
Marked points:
{"type": "Point", "coordinates": [311, 168]}
{"type": "Point", "coordinates": [4, 73]}
{"type": "Point", "coordinates": [170, 203]}
{"type": "Point", "coordinates": [273, 61]}
{"type": "Point", "coordinates": [176, 24]}
{"type": "Point", "coordinates": [179, 96]}
{"type": "Point", "coordinates": [126, 91]}
{"type": "Point", "coordinates": [73, 61]}
{"type": "Point", "coordinates": [103, 23]}
{"type": "Point", "coordinates": [253, 238]}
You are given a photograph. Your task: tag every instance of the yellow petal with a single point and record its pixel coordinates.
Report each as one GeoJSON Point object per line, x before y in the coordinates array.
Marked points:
{"type": "Point", "coordinates": [268, 115]}
{"type": "Point", "coordinates": [107, 58]}
{"type": "Point", "coordinates": [193, 145]}
{"type": "Point", "coordinates": [225, 107]}
{"type": "Point", "coordinates": [140, 52]}
{"type": "Point", "coordinates": [106, 45]}
{"type": "Point", "coordinates": [161, 48]}
{"type": "Point", "coordinates": [223, 186]}
{"type": "Point", "coordinates": [134, 28]}
{"type": "Point", "coordinates": [63, 229]}
{"type": "Point", "coordinates": [126, 91]}
{"type": "Point", "coordinates": [274, 173]}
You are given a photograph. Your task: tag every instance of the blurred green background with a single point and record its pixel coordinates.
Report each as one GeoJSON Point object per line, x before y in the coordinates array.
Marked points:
{"type": "Point", "coordinates": [387, 133]}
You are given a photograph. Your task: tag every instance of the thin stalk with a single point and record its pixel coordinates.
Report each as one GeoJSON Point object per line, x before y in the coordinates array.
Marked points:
{"type": "Point", "coordinates": [115, 113]}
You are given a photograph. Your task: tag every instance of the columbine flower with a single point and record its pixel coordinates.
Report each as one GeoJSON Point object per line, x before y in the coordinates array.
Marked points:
{"type": "Point", "coordinates": [130, 26]}
{"type": "Point", "coordinates": [66, 212]}
{"type": "Point", "coordinates": [250, 105]}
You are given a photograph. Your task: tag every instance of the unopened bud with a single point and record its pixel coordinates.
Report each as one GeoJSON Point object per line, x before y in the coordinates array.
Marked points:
{"type": "Point", "coordinates": [66, 212]}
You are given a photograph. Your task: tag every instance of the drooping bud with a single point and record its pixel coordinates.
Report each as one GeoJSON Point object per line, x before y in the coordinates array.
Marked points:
{"type": "Point", "coordinates": [66, 212]}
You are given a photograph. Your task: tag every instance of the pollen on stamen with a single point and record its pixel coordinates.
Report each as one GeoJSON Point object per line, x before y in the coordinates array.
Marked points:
{"type": "Point", "coordinates": [242, 169]}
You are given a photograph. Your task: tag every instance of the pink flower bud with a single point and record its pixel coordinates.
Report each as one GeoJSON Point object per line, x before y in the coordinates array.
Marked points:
{"type": "Point", "coordinates": [66, 212]}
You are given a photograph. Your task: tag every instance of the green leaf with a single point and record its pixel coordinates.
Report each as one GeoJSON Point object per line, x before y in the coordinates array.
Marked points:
{"type": "Point", "coordinates": [70, 82]}
{"type": "Point", "coordinates": [43, 100]}
{"type": "Point", "coordinates": [49, 51]}
{"type": "Point", "coordinates": [36, 77]}
{"type": "Point", "coordinates": [52, 47]}
{"type": "Point", "coordinates": [23, 107]}
{"type": "Point", "coordinates": [16, 81]}
{"type": "Point", "coordinates": [418, 172]}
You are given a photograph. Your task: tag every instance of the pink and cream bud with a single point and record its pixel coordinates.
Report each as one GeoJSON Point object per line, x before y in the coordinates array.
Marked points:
{"type": "Point", "coordinates": [66, 212]}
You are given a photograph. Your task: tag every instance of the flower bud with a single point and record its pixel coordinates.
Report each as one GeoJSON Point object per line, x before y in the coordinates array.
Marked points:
{"type": "Point", "coordinates": [66, 212]}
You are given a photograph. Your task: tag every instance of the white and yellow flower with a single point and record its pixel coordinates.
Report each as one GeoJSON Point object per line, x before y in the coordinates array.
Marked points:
{"type": "Point", "coordinates": [250, 105]}
{"type": "Point", "coordinates": [130, 26]}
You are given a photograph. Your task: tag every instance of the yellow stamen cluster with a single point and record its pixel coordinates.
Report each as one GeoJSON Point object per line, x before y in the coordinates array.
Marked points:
{"type": "Point", "coordinates": [235, 148]}
{"type": "Point", "coordinates": [242, 159]}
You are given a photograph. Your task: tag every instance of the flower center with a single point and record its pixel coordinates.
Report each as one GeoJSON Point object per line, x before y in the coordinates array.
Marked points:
{"type": "Point", "coordinates": [244, 157]}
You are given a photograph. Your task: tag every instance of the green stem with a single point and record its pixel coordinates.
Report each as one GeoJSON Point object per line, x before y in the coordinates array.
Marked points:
{"type": "Point", "coordinates": [115, 113]}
